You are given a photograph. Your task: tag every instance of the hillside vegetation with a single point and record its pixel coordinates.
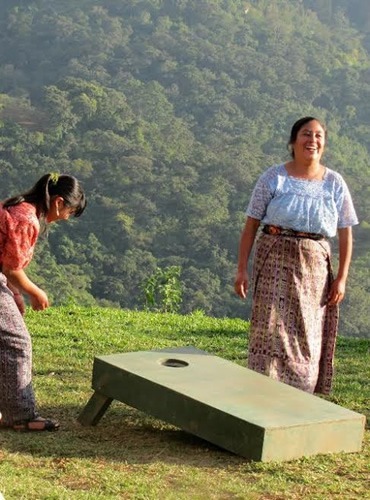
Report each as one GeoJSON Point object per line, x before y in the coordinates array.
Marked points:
{"type": "Point", "coordinates": [168, 111]}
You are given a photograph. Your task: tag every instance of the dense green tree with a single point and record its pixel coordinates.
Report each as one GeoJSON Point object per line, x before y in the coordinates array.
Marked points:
{"type": "Point", "coordinates": [168, 111]}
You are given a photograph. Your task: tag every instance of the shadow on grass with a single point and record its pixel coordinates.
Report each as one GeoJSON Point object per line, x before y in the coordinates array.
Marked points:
{"type": "Point", "coordinates": [122, 435]}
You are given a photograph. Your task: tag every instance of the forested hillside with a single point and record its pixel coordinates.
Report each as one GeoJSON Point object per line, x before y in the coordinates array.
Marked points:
{"type": "Point", "coordinates": [168, 110]}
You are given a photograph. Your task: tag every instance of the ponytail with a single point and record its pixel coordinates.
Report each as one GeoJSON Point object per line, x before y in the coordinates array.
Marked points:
{"type": "Point", "coordinates": [50, 185]}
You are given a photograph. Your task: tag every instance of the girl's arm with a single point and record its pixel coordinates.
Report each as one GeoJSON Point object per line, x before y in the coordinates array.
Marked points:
{"type": "Point", "coordinates": [18, 297]}
{"type": "Point", "coordinates": [338, 287]}
{"type": "Point", "coordinates": [245, 247]}
{"type": "Point", "coordinates": [20, 281]}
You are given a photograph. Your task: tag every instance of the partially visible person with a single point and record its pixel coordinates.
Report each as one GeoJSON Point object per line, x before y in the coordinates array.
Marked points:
{"type": "Point", "coordinates": [54, 197]}
{"type": "Point", "coordinates": [301, 204]}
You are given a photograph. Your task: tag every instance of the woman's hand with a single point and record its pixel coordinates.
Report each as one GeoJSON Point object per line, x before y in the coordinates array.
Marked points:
{"type": "Point", "coordinates": [336, 292]}
{"type": "Point", "coordinates": [241, 284]}
{"type": "Point", "coordinates": [38, 299]}
{"type": "Point", "coordinates": [338, 287]}
{"type": "Point", "coordinates": [245, 246]}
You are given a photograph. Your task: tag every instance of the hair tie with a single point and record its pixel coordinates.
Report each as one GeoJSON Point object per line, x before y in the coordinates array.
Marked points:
{"type": "Point", "coordinates": [54, 177]}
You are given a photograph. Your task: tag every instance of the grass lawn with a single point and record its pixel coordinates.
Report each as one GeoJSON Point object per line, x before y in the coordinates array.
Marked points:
{"type": "Point", "coordinates": [130, 455]}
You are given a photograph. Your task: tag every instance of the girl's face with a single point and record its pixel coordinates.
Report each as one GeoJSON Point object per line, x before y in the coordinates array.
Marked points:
{"type": "Point", "coordinates": [58, 210]}
{"type": "Point", "coordinates": [310, 141]}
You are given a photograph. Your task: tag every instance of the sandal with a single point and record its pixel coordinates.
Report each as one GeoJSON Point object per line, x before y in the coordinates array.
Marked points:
{"type": "Point", "coordinates": [38, 424]}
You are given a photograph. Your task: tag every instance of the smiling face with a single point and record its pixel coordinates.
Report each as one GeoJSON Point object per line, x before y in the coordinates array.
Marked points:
{"type": "Point", "coordinates": [310, 142]}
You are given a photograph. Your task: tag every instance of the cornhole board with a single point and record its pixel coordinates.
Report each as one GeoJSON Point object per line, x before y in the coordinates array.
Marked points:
{"type": "Point", "coordinates": [226, 404]}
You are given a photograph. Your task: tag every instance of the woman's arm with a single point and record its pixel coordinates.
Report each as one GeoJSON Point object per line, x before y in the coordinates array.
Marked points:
{"type": "Point", "coordinates": [245, 247]}
{"type": "Point", "coordinates": [20, 281]}
{"type": "Point", "coordinates": [338, 287]}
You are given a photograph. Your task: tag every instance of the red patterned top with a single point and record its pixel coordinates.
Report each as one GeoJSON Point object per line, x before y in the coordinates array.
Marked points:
{"type": "Point", "coordinates": [19, 229]}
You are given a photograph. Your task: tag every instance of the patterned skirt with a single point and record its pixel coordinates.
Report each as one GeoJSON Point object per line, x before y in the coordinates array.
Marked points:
{"type": "Point", "coordinates": [293, 332]}
{"type": "Point", "coordinates": [17, 401]}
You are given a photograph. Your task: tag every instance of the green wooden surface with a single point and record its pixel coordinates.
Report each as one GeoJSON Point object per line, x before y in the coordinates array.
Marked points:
{"type": "Point", "coordinates": [224, 403]}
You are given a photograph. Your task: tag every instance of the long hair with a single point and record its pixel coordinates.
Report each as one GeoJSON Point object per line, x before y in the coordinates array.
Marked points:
{"type": "Point", "coordinates": [50, 185]}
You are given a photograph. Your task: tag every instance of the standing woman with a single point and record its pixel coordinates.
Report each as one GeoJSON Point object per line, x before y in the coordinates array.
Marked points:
{"type": "Point", "coordinates": [54, 197]}
{"type": "Point", "coordinates": [295, 301]}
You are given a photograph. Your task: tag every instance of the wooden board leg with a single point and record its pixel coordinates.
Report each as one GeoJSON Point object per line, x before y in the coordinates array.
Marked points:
{"type": "Point", "coordinates": [94, 409]}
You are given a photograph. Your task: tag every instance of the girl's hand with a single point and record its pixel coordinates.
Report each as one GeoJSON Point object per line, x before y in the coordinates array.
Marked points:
{"type": "Point", "coordinates": [18, 298]}
{"type": "Point", "coordinates": [38, 299]}
{"type": "Point", "coordinates": [18, 281]}
{"type": "Point", "coordinates": [241, 284]}
{"type": "Point", "coordinates": [336, 292]}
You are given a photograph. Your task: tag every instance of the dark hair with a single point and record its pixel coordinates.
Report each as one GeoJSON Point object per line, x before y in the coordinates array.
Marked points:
{"type": "Point", "coordinates": [297, 127]}
{"type": "Point", "coordinates": [50, 185]}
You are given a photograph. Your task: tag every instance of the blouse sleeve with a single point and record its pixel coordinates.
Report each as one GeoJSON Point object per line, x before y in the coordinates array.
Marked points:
{"type": "Point", "coordinates": [19, 243]}
{"type": "Point", "coordinates": [261, 196]}
{"type": "Point", "coordinates": [346, 212]}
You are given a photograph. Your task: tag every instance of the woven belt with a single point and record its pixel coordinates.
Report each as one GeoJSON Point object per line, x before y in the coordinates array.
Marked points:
{"type": "Point", "coordinates": [279, 231]}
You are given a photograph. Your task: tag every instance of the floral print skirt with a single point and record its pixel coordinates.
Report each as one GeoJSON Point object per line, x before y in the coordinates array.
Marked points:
{"type": "Point", "coordinates": [17, 401]}
{"type": "Point", "coordinates": [293, 332]}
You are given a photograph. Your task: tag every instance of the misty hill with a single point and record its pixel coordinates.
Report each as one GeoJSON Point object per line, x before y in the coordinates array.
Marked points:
{"type": "Point", "coordinates": [168, 110]}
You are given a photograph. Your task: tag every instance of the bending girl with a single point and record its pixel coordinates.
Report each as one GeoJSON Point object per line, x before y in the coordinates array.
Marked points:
{"type": "Point", "coordinates": [52, 198]}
